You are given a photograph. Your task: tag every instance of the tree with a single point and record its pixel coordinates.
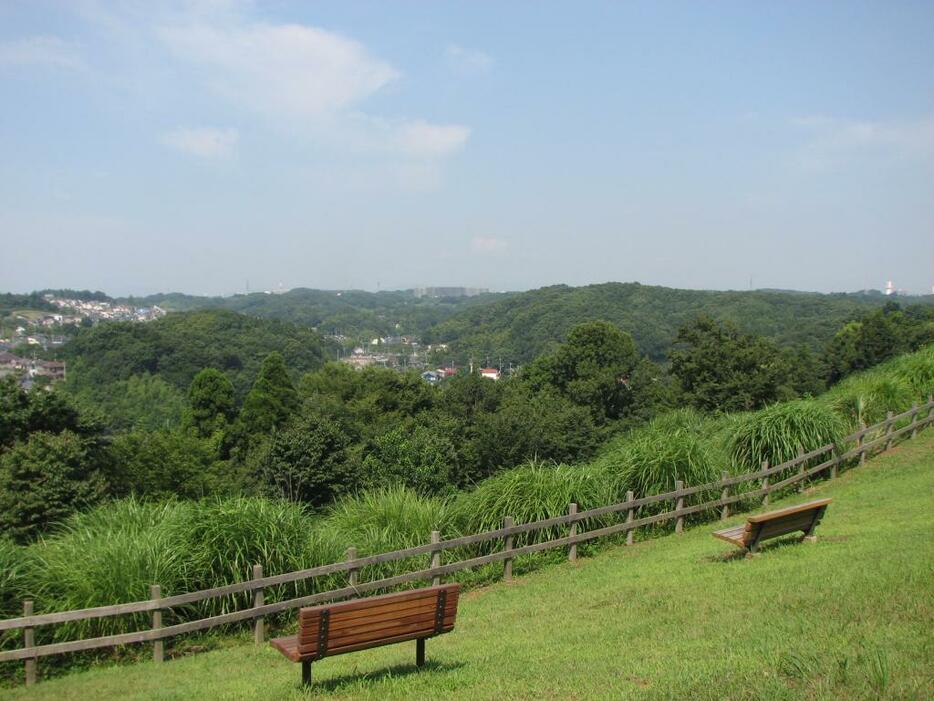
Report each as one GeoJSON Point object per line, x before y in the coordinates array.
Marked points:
{"type": "Point", "coordinates": [22, 413]}
{"type": "Point", "coordinates": [272, 400]}
{"type": "Point", "coordinates": [307, 462]}
{"type": "Point", "coordinates": [721, 369]}
{"type": "Point", "coordinates": [211, 402]}
{"type": "Point", "coordinates": [163, 464]}
{"type": "Point", "coordinates": [43, 480]}
{"type": "Point", "coordinates": [593, 368]}
{"type": "Point", "coordinates": [418, 458]}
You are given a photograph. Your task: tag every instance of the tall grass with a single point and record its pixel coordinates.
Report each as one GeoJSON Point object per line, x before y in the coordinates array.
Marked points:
{"type": "Point", "coordinates": [777, 432]}
{"type": "Point", "coordinates": [680, 445]}
{"type": "Point", "coordinates": [892, 386]}
{"type": "Point", "coordinates": [223, 538]}
{"type": "Point", "coordinates": [530, 492]}
{"type": "Point", "coordinates": [384, 520]}
{"type": "Point", "coordinates": [13, 569]}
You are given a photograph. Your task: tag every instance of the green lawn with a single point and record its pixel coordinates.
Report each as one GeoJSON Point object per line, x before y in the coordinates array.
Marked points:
{"type": "Point", "coordinates": [848, 617]}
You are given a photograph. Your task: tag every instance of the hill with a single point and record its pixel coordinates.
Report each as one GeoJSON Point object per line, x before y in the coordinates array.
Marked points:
{"type": "Point", "coordinates": [172, 350]}
{"type": "Point", "coordinates": [674, 617]}
{"type": "Point", "coordinates": [353, 313]}
{"type": "Point", "coordinates": [519, 327]}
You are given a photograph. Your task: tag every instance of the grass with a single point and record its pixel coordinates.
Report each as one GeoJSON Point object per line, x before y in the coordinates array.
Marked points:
{"type": "Point", "coordinates": [847, 617]}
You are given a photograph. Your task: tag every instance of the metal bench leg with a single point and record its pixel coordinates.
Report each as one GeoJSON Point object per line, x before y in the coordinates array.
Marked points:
{"type": "Point", "coordinates": [420, 652]}
{"type": "Point", "coordinates": [306, 673]}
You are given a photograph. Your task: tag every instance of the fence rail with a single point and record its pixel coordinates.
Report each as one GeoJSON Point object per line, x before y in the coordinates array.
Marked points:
{"type": "Point", "coordinates": [887, 434]}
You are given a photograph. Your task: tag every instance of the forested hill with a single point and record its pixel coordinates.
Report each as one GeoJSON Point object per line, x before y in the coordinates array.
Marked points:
{"type": "Point", "coordinates": [519, 327]}
{"type": "Point", "coordinates": [107, 362]}
{"type": "Point", "coordinates": [353, 313]}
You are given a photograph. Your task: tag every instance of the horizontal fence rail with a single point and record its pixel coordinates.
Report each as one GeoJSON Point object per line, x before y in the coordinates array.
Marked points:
{"type": "Point", "coordinates": [882, 435]}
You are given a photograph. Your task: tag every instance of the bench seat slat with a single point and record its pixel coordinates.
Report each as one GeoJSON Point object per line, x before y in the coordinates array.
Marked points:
{"type": "Point", "coordinates": [372, 622]}
{"type": "Point", "coordinates": [780, 513]}
{"type": "Point", "coordinates": [802, 517]}
{"type": "Point", "coordinates": [384, 621]}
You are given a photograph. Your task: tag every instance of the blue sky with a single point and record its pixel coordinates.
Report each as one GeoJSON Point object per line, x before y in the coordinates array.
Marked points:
{"type": "Point", "coordinates": [195, 146]}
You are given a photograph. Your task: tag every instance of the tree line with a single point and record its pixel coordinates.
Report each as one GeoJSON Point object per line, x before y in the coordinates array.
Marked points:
{"type": "Point", "coordinates": [314, 435]}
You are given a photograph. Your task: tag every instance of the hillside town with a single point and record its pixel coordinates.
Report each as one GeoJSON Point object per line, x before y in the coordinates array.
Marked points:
{"type": "Point", "coordinates": [27, 332]}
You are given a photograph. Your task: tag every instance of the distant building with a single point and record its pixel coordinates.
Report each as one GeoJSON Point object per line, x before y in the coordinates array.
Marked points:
{"type": "Point", "coordinates": [446, 372]}
{"type": "Point", "coordinates": [490, 373]}
{"type": "Point", "coordinates": [431, 377]}
{"type": "Point", "coordinates": [439, 292]}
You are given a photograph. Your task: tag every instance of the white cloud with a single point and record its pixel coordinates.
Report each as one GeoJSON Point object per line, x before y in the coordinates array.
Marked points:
{"type": "Point", "coordinates": [833, 140]}
{"type": "Point", "coordinates": [421, 139]}
{"type": "Point", "coordinates": [310, 81]}
{"type": "Point", "coordinates": [47, 51]}
{"type": "Point", "coordinates": [291, 71]}
{"type": "Point", "coordinates": [487, 245]}
{"type": "Point", "coordinates": [204, 143]}
{"type": "Point", "coordinates": [467, 61]}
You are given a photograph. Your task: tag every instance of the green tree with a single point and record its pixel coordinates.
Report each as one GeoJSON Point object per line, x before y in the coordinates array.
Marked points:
{"type": "Point", "coordinates": [594, 367]}
{"type": "Point", "coordinates": [163, 464]}
{"type": "Point", "coordinates": [306, 462]}
{"type": "Point", "coordinates": [43, 480]}
{"type": "Point", "coordinates": [721, 369]}
{"type": "Point", "coordinates": [418, 458]}
{"type": "Point", "coordinates": [211, 402]}
{"type": "Point", "coordinates": [272, 400]}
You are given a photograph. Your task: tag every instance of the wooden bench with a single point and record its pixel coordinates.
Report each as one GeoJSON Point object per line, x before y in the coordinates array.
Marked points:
{"type": "Point", "coordinates": [333, 629]}
{"type": "Point", "coordinates": [803, 517]}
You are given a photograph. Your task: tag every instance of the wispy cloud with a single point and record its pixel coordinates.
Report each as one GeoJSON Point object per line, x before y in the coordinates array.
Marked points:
{"type": "Point", "coordinates": [488, 245]}
{"type": "Point", "coordinates": [467, 61]}
{"type": "Point", "coordinates": [308, 80]}
{"type": "Point", "coordinates": [422, 139]}
{"type": "Point", "coordinates": [287, 70]}
{"type": "Point", "coordinates": [832, 140]}
{"type": "Point", "coordinates": [42, 51]}
{"type": "Point", "coordinates": [204, 142]}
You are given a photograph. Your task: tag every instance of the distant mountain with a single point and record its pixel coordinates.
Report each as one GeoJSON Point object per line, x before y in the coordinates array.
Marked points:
{"type": "Point", "coordinates": [176, 347]}
{"type": "Point", "coordinates": [353, 313]}
{"type": "Point", "coordinates": [519, 327]}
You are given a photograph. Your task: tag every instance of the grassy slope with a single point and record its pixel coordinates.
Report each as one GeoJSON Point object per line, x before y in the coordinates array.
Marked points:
{"type": "Point", "coordinates": [847, 617]}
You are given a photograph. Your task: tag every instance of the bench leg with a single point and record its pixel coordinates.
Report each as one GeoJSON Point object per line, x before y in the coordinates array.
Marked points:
{"type": "Point", "coordinates": [420, 652]}
{"type": "Point", "coordinates": [306, 673]}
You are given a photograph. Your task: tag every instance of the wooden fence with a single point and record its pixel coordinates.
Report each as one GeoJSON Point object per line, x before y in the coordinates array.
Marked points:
{"type": "Point", "coordinates": [867, 440]}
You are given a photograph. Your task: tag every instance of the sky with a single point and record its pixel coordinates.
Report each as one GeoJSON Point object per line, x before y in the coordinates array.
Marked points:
{"type": "Point", "coordinates": [213, 147]}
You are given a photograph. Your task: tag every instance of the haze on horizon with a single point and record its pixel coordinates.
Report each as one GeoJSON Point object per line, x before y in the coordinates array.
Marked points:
{"type": "Point", "coordinates": [204, 144]}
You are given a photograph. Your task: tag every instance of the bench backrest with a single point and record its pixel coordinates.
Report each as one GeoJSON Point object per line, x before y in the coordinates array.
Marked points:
{"type": "Point", "coordinates": [783, 521]}
{"type": "Point", "coordinates": [333, 629]}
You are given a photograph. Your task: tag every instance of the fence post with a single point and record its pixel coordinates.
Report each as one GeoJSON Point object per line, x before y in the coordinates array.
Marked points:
{"type": "Point", "coordinates": [765, 483]}
{"type": "Point", "coordinates": [29, 640]}
{"type": "Point", "coordinates": [630, 515]}
{"type": "Point", "coordinates": [725, 512]}
{"type": "Point", "coordinates": [353, 573]}
{"type": "Point", "coordinates": [859, 445]}
{"type": "Point", "coordinates": [155, 593]}
{"type": "Point", "coordinates": [259, 633]}
{"type": "Point", "coordinates": [914, 420]}
{"type": "Point", "coordinates": [679, 504]}
{"type": "Point", "coordinates": [435, 557]}
{"type": "Point", "coordinates": [888, 429]}
{"type": "Point", "coordinates": [507, 546]}
{"type": "Point", "coordinates": [801, 462]}
{"type": "Point", "coordinates": [572, 551]}
{"type": "Point", "coordinates": [836, 460]}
